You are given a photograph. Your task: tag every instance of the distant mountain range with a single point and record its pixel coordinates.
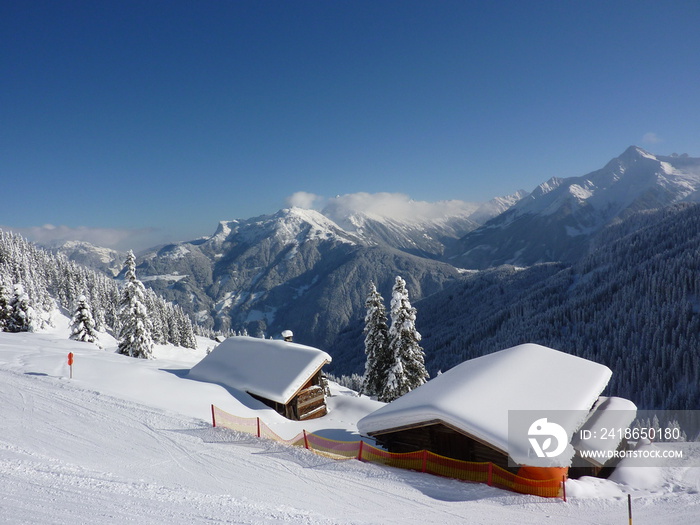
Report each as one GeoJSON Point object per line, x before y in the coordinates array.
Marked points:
{"type": "Point", "coordinates": [557, 220]}
{"type": "Point", "coordinates": [309, 271]}
{"type": "Point", "coordinates": [294, 270]}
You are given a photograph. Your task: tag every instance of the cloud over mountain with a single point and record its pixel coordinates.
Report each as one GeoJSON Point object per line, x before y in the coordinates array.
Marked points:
{"type": "Point", "coordinates": [384, 205]}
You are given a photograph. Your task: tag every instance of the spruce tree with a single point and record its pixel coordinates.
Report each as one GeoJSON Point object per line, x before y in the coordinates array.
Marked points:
{"type": "Point", "coordinates": [4, 307]}
{"type": "Point", "coordinates": [21, 314]}
{"type": "Point", "coordinates": [82, 323]}
{"type": "Point", "coordinates": [135, 327]}
{"type": "Point", "coordinates": [407, 370]}
{"type": "Point", "coordinates": [376, 344]}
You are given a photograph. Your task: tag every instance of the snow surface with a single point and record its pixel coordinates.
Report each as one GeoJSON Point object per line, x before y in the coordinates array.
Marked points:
{"type": "Point", "coordinates": [129, 441]}
{"type": "Point", "coordinates": [477, 395]}
{"type": "Point", "coordinates": [273, 369]}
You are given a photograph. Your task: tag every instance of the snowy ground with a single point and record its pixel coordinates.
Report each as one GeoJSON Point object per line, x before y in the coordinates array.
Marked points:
{"type": "Point", "coordinates": [130, 441]}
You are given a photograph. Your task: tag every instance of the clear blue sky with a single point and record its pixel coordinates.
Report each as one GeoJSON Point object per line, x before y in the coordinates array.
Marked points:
{"type": "Point", "coordinates": [168, 116]}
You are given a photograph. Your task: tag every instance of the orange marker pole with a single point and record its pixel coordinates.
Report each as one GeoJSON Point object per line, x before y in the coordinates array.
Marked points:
{"type": "Point", "coordinates": [70, 363]}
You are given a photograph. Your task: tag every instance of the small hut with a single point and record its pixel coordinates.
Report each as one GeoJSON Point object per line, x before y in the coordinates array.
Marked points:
{"type": "Point", "coordinates": [285, 376]}
{"type": "Point", "coordinates": [467, 412]}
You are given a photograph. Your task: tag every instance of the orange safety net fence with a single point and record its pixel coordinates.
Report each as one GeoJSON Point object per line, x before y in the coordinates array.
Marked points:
{"type": "Point", "coordinates": [422, 461]}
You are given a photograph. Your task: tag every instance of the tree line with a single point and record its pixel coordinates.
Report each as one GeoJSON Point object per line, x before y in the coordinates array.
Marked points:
{"type": "Point", "coordinates": [35, 283]}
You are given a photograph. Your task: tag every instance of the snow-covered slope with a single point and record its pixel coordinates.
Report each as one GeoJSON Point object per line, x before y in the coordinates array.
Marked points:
{"type": "Point", "coordinates": [129, 441]}
{"type": "Point", "coordinates": [556, 221]}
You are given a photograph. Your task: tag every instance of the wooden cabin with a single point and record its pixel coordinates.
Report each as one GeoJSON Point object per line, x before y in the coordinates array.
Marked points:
{"type": "Point", "coordinates": [283, 375]}
{"type": "Point", "coordinates": [465, 412]}
{"type": "Point", "coordinates": [308, 403]}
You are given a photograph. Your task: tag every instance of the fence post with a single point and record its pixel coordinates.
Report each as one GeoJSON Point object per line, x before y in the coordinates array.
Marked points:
{"type": "Point", "coordinates": [306, 441]}
{"type": "Point", "coordinates": [213, 417]}
{"type": "Point", "coordinates": [258, 426]}
{"type": "Point", "coordinates": [359, 453]}
{"type": "Point", "coordinates": [489, 476]}
{"type": "Point", "coordinates": [425, 461]}
{"type": "Point", "coordinates": [563, 485]}
{"type": "Point", "coordinates": [629, 507]}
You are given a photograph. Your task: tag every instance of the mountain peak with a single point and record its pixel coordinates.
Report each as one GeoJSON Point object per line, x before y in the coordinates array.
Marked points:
{"type": "Point", "coordinates": [635, 153]}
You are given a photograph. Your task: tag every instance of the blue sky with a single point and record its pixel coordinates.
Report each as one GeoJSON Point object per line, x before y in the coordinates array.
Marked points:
{"type": "Point", "coordinates": [150, 120]}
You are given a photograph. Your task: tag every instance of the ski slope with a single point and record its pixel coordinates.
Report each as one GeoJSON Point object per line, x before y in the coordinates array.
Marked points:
{"type": "Point", "coordinates": [130, 441]}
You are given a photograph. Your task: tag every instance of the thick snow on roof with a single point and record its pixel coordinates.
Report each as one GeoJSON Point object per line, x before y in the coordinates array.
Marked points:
{"type": "Point", "coordinates": [609, 413]}
{"type": "Point", "coordinates": [475, 396]}
{"type": "Point", "coordinates": [268, 368]}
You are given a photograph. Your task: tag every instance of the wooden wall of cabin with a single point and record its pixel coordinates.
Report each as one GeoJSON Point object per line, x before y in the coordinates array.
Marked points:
{"type": "Point", "coordinates": [443, 440]}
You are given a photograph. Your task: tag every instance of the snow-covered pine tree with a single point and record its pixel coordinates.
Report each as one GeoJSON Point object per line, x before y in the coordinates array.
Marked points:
{"type": "Point", "coordinates": [4, 306]}
{"type": "Point", "coordinates": [21, 314]}
{"type": "Point", "coordinates": [82, 324]}
{"type": "Point", "coordinates": [135, 327]}
{"type": "Point", "coordinates": [407, 370]}
{"type": "Point", "coordinates": [376, 344]}
{"type": "Point", "coordinates": [187, 337]}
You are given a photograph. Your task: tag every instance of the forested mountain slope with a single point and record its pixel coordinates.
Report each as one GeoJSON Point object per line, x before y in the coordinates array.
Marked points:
{"type": "Point", "coordinates": [632, 304]}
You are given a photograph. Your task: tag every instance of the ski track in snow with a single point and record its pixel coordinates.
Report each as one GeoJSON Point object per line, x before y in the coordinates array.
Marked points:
{"type": "Point", "coordinates": [70, 454]}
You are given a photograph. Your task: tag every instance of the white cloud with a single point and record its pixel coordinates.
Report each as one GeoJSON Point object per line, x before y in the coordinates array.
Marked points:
{"type": "Point", "coordinates": [651, 138]}
{"type": "Point", "coordinates": [118, 239]}
{"type": "Point", "coordinates": [396, 206]}
{"type": "Point", "coordinates": [304, 199]}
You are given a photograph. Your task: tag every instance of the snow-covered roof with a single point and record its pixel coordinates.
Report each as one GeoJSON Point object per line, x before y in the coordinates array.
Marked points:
{"type": "Point", "coordinates": [609, 413]}
{"type": "Point", "coordinates": [476, 396]}
{"type": "Point", "coordinates": [272, 369]}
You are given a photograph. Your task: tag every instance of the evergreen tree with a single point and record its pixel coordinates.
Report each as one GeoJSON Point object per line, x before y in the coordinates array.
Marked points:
{"type": "Point", "coordinates": [4, 307]}
{"type": "Point", "coordinates": [82, 323]}
{"type": "Point", "coordinates": [376, 344]}
{"type": "Point", "coordinates": [135, 326]}
{"type": "Point", "coordinates": [21, 314]}
{"type": "Point", "coordinates": [407, 370]}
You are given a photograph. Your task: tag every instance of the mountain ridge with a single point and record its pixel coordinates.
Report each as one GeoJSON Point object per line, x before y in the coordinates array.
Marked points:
{"type": "Point", "coordinates": [556, 221]}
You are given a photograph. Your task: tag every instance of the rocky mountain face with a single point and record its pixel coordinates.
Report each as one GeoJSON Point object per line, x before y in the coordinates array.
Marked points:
{"type": "Point", "coordinates": [295, 270]}
{"type": "Point", "coordinates": [558, 219]}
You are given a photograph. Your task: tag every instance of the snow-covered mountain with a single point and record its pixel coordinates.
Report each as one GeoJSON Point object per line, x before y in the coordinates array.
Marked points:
{"type": "Point", "coordinates": [556, 221]}
{"type": "Point", "coordinates": [416, 227]}
{"type": "Point", "coordinates": [105, 260]}
{"type": "Point", "coordinates": [296, 269]}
